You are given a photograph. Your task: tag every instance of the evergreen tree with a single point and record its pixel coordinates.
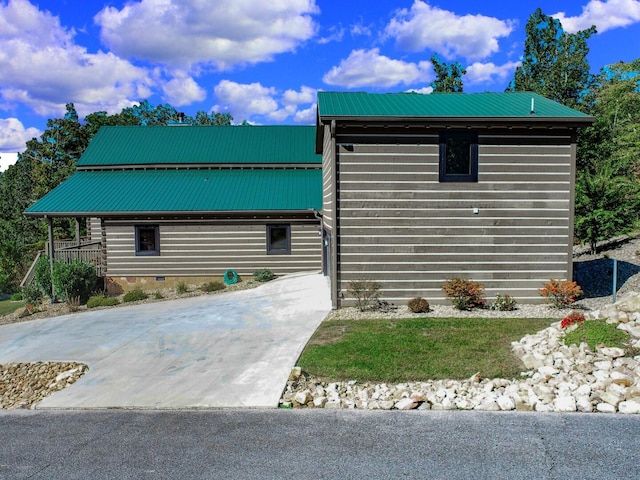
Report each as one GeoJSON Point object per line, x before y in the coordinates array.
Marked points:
{"type": "Point", "coordinates": [448, 76]}
{"type": "Point", "coordinates": [555, 63]}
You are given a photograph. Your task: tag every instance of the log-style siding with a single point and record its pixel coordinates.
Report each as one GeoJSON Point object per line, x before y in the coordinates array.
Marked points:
{"type": "Point", "coordinates": [208, 249]}
{"type": "Point", "coordinates": [400, 226]}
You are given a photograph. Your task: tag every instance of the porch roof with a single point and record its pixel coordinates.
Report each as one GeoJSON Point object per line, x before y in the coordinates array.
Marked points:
{"type": "Point", "coordinates": [172, 191]}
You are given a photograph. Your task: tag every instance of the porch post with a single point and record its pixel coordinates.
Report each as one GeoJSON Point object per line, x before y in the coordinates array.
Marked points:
{"type": "Point", "coordinates": [77, 232]}
{"type": "Point", "coordinates": [51, 253]}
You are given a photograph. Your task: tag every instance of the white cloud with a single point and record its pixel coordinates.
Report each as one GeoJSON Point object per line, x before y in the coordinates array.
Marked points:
{"type": "Point", "coordinates": [489, 72]}
{"type": "Point", "coordinates": [41, 67]}
{"type": "Point", "coordinates": [605, 15]}
{"type": "Point", "coordinates": [305, 95]}
{"type": "Point", "coordinates": [254, 102]}
{"type": "Point", "coordinates": [306, 116]}
{"type": "Point", "coordinates": [223, 33]}
{"type": "Point", "coordinates": [361, 29]}
{"type": "Point", "coordinates": [183, 90]}
{"type": "Point", "coordinates": [7, 159]}
{"type": "Point", "coordinates": [426, 27]}
{"type": "Point", "coordinates": [336, 34]}
{"type": "Point", "coordinates": [367, 68]}
{"type": "Point", "coordinates": [13, 135]}
{"type": "Point", "coordinates": [423, 90]}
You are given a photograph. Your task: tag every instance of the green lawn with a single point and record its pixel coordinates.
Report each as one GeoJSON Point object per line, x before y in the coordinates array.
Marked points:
{"type": "Point", "coordinates": [9, 306]}
{"type": "Point", "coordinates": [416, 349]}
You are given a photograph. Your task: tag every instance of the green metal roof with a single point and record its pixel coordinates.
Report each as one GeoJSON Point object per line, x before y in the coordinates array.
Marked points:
{"type": "Point", "coordinates": [97, 193]}
{"type": "Point", "coordinates": [186, 144]}
{"type": "Point", "coordinates": [444, 106]}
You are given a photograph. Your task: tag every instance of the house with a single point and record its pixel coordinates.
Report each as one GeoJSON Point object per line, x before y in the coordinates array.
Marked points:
{"type": "Point", "coordinates": [187, 203]}
{"type": "Point", "coordinates": [403, 189]}
{"type": "Point", "coordinates": [419, 189]}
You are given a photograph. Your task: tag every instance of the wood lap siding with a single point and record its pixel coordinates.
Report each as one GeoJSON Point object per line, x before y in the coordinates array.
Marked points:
{"type": "Point", "coordinates": [210, 249]}
{"type": "Point", "coordinates": [400, 226]}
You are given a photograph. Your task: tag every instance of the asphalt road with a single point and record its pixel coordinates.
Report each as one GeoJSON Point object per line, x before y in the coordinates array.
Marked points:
{"type": "Point", "coordinates": [316, 444]}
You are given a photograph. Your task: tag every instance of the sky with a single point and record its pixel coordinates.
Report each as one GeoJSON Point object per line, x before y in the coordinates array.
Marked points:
{"type": "Point", "coordinates": [263, 61]}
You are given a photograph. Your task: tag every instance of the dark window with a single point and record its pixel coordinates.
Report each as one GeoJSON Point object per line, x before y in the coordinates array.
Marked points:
{"type": "Point", "coordinates": [278, 239]}
{"type": "Point", "coordinates": [458, 157]}
{"type": "Point", "coordinates": [147, 240]}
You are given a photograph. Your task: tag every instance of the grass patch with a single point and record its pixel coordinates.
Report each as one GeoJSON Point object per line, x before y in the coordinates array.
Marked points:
{"type": "Point", "coordinates": [416, 349]}
{"type": "Point", "coordinates": [597, 333]}
{"type": "Point", "coordinates": [10, 306]}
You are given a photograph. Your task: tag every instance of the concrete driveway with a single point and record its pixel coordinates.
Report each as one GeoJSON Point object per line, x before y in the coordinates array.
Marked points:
{"type": "Point", "coordinates": [225, 350]}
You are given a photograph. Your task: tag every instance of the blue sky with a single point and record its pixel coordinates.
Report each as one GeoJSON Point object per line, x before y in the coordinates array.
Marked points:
{"type": "Point", "coordinates": [264, 61]}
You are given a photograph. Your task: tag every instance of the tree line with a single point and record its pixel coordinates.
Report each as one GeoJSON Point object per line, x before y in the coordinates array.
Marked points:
{"type": "Point", "coordinates": [554, 64]}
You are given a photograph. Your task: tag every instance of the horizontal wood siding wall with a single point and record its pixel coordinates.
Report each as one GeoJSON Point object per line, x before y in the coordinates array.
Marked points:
{"type": "Point", "coordinates": [328, 190]}
{"type": "Point", "coordinates": [400, 226]}
{"type": "Point", "coordinates": [205, 250]}
{"type": "Point", "coordinates": [94, 229]}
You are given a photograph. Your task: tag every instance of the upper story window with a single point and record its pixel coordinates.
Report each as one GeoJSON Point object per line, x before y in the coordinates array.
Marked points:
{"type": "Point", "coordinates": [147, 240]}
{"type": "Point", "coordinates": [458, 157]}
{"type": "Point", "coordinates": [278, 239]}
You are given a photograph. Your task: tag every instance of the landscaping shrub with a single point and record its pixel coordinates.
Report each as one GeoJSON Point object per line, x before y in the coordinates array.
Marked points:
{"type": "Point", "coordinates": [561, 293]}
{"type": "Point", "coordinates": [134, 296]}
{"type": "Point", "coordinates": [42, 276]}
{"type": "Point", "coordinates": [102, 301]}
{"type": "Point", "coordinates": [213, 286]}
{"type": "Point", "coordinates": [572, 318]}
{"type": "Point", "coordinates": [77, 279]}
{"type": "Point", "coordinates": [16, 297]}
{"type": "Point", "coordinates": [504, 303]}
{"type": "Point", "coordinates": [263, 275]}
{"type": "Point", "coordinates": [366, 292]}
{"type": "Point", "coordinates": [418, 305]}
{"type": "Point", "coordinates": [158, 295]}
{"type": "Point", "coordinates": [182, 287]}
{"type": "Point", "coordinates": [31, 294]}
{"type": "Point", "coordinates": [464, 294]}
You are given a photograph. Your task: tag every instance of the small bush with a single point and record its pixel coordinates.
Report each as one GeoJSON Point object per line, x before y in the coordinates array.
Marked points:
{"type": "Point", "coordinates": [42, 276]}
{"type": "Point", "coordinates": [366, 292]}
{"type": "Point", "coordinates": [572, 318]}
{"type": "Point", "coordinates": [418, 305]}
{"type": "Point", "coordinates": [182, 287]}
{"type": "Point", "coordinates": [73, 303]}
{"type": "Point", "coordinates": [31, 294]}
{"type": "Point", "coordinates": [263, 275]}
{"type": "Point", "coordinates": [158, 295]}
{"type": "Point", "coordinates": [561, 293]}
{"type": "Point", "coordinates": [464, 294]}
{"type": "Point", "coordinates": [77, 279]}
{"type": "Point", "coordinates": [101, 301]}
{"type": "Point", "coordinates": [213, 286]}
{"type": "Point", "coordinates": [134, 296]}
{"type": "Point", "coordinates": [16, 297]}
{"type": "Point", "coordinates": [504, 303]}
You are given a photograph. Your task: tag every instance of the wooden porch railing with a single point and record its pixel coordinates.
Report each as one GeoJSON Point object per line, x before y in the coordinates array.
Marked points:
{"type": "Point", "coordinates": [68, 251]}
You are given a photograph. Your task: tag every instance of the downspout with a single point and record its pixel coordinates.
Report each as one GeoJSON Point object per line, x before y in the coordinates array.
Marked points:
{"type": "Point", "coordinates": [51, 253]}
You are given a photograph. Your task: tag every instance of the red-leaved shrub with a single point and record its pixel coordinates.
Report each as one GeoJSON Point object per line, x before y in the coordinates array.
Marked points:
{"type": "Point", "coordinates": [561, 293]}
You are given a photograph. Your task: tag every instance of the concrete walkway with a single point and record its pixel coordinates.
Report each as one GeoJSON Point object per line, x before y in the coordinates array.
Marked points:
{"type": "Point", "coordinates": [212, 351]}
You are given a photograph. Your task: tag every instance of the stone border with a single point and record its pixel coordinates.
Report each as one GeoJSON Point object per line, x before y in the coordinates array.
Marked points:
{"type": "Point", "coordinates": [559, 378]}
